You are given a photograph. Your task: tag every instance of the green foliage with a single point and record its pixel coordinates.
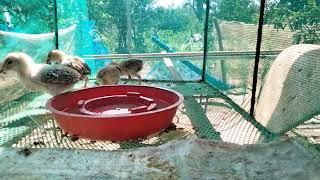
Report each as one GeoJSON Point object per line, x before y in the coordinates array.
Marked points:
{"type": "Point", "coordinates": [141, 20]}
{"type": "Point", "coordinates": [236, 10]}
{"type": "Point", "coordinates": [112, 24]}
{"type": "Point", "coordinates": [112, 17]}
{"type": "Point", "coordinates": [175, 20]}
{"type": "Point", "coordinates": [67, 14]}
{"type": "Point", "coordinates": [198, 8]}
{"type": "Point", "coordinates": [301, 16]}
{"type": "Point", "coordinates": [32, 16]}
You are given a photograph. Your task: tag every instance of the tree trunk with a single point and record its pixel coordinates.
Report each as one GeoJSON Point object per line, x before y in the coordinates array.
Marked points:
{"type": "Point", "coordinates": [129, 26]}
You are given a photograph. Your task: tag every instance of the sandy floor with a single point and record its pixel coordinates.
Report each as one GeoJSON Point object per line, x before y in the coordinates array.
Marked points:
{"type": "Point", "coordinates": [188, 159]}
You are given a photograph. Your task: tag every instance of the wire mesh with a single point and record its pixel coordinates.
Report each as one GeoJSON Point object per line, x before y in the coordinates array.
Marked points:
{"type": "Point", "coordinates": [206, 113]}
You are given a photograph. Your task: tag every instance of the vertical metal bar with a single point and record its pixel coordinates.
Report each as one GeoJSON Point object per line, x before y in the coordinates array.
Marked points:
{"type": "Point", "coordinates": [205, 48]}
{"type": "Point", "coordinates": [56, 33]}
{"type": "Point", "coordinates": [257, 57]}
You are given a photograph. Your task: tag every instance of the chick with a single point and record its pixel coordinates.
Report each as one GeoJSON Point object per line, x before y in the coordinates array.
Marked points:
{"type": "Point", "coordinates": [111, 74]}
{"type": "Point", "coordinates": [53, 79]}
{"type": "Point", "coordinates": [74, 62]}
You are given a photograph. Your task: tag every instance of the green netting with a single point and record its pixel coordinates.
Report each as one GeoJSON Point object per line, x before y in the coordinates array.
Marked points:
{"type": "Point", "coordinates": [28, 124]}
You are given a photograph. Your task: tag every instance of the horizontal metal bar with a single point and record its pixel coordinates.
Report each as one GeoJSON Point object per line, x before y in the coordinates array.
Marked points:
{"type": "Point", "coordinates": [183, 54]}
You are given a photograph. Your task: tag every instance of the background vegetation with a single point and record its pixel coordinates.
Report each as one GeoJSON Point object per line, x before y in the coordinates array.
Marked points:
{"type": "Point", "coordinates": [129, 25]}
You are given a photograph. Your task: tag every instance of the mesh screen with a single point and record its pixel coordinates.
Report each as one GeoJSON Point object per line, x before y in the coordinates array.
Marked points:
{"type": "Point", "coordinates": [169, 37]}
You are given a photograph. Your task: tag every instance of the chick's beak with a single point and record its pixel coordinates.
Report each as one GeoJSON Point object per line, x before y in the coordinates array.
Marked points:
{"type": "Point", "coordinates": [1, 69]}
{"type": "Point", "coordinates": [48, 61]}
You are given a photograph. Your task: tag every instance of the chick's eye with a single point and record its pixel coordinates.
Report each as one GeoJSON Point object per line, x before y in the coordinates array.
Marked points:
{"type": "Point", "coordinates": [10, 62]}
{"type": "Point", "coordinates": [53, 62]}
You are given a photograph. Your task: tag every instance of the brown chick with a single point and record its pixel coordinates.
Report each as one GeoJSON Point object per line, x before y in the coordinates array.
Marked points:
{"type": "Point", "coordinates": [53, 79]}
{"type": "Point", "coordinates": [111, 74]}
{"type": "Point", "coordinates": [74, 62]}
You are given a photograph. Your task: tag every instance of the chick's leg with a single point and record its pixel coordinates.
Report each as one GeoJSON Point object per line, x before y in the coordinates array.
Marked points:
{"type": "Point", "coordinates": [86, 79]}
{"type": "Point", "coordinates": [138, 76]}
{"type": "Point", "coordinates": [129, 78]}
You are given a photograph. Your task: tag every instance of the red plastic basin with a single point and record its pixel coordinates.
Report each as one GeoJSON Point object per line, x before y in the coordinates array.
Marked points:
{"type": "Point", "coordinates": [119, 112]}
{"type": "Point", "coordinates": [132, 102]}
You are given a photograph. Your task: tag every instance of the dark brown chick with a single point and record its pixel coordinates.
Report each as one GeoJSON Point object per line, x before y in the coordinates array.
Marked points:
{"type": "Point", "coordinates": [111, 74]}
{"type": "Point", "coordinates": [74, 62]}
